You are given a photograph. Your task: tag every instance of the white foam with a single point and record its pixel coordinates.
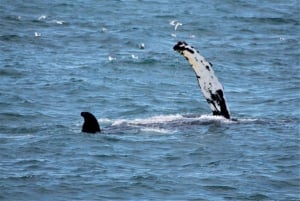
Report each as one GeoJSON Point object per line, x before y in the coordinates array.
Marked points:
{"type": "Point", "coordinates": [211, 117]}
{"type": "Point", "coordinates": [156, 130]}
{"type": "Point", "coordinates": [151, 120]}
{"type": "Point", "coordinates": [247, 120]}
{"type": "Point", "coordinates": [164, 119]}
{"type": "Point", "coordinates": [105, 121]}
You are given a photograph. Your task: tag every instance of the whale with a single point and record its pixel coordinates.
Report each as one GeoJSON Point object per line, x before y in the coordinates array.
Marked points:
{"type": "Point", "coordinates": [90, 124]}
{"type": "Point", "coordinates": [211, 87]}
{"type": "Point", "coordinates": [158, 124]}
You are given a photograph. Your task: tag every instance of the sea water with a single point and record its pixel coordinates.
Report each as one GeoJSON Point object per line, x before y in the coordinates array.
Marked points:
{"type": "Point", "coordinates": [159, 141]}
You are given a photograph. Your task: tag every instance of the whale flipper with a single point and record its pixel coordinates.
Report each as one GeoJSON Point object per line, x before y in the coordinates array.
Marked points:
{"type": "Point", "coordinates": [90, 124]}
{"type": "Point", "coordinates": [209, 84]}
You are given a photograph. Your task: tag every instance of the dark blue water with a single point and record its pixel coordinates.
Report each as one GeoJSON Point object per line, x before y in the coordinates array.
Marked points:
{"type": "Point", "coordinates": [159, 140]}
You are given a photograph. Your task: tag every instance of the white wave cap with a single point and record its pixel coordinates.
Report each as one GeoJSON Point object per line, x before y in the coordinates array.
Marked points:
{"type": "Point", "coordinates": [150, 120]}
{"type": "Point", "coordinates": [156, 130]}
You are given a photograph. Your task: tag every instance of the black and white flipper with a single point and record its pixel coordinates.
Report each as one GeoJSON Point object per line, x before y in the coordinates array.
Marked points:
{"type": "Point", "coordinates": [210, 86]}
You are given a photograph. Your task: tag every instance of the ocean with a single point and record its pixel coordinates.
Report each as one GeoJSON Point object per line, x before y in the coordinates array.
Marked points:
{"type": "Point", "coordinates": [160, 141]}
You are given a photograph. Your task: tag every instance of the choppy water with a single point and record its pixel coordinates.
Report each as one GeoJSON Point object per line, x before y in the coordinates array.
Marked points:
{"type": "Point", "coordinates": [159, 141]}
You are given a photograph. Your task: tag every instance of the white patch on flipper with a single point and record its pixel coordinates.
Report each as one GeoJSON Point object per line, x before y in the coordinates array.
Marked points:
{"type": "Point", "coordinates": [210, 86]}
